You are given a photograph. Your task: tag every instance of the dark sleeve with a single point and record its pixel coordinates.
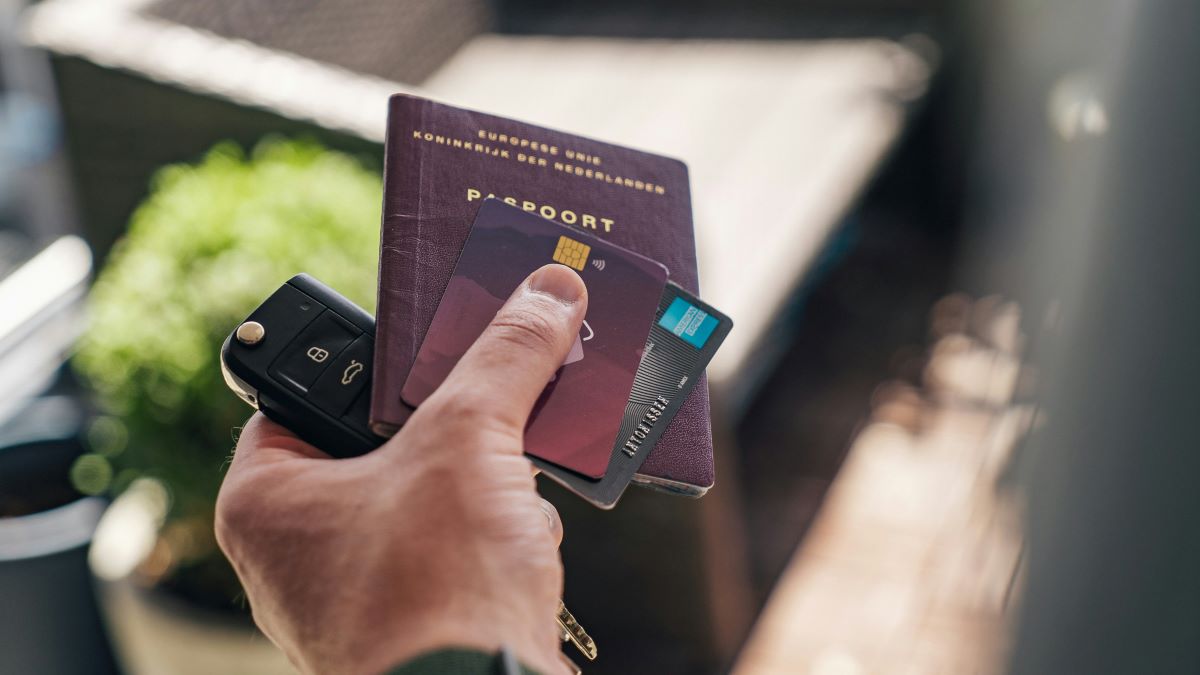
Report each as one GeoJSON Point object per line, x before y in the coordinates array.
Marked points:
{"type": "Point", "coordinates": [462, 662]}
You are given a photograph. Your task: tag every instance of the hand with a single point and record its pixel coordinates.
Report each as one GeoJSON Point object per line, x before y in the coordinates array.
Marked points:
{"type": "Point", "coordinates": [436, 539]}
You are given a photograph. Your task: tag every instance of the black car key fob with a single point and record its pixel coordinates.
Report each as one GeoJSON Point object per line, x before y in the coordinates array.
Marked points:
{"type": "Point", "coordinates": [303, 358]}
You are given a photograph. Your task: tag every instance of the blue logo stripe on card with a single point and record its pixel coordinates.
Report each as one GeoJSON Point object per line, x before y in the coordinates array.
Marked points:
{"type": "Point", "coordinates": [689, 322]}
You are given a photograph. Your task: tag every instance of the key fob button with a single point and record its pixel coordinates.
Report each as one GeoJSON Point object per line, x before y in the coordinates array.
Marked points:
{"type": "Point", "coordinates": [312, 352]}
{"type": "Point", "coordinates": [346, 375]}
{"type": "Point", "coordinates": [359, 411]}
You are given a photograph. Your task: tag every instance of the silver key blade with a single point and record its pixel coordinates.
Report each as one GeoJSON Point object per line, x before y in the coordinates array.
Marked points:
{"type": "Point", "coordinates": [571, 667]}
{"type": "Point", "coordinates": [574, 633]}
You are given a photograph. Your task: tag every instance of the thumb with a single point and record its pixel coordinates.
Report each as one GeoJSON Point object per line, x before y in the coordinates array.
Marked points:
{"type": "Point", "coordinates": [502, 375]}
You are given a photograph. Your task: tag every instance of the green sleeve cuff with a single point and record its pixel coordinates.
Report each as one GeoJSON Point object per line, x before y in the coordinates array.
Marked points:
{"type": "Point", "coordinates": [457, 662]}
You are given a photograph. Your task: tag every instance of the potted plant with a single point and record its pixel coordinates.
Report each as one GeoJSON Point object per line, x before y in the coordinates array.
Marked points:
{"type": "Point", "coordinates": [206, 246]}
{"type": "Point", "coordinates": [46, 525]}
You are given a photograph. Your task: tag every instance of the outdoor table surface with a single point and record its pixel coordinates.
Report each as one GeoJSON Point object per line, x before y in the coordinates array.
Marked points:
{"type": "Point", "coordinates": [779, 137]}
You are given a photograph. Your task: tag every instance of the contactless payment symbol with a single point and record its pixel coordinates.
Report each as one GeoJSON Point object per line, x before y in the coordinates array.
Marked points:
{"type": "Point", "coordinates": [573, 254]}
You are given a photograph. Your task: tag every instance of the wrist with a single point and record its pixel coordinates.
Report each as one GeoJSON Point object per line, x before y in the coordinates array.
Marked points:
{"type": "Point", "coordinates": [425, 637]}
{"type": "Point", "coordinates": [464, 662]}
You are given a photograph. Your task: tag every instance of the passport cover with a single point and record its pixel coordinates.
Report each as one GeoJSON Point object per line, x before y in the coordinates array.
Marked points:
{"type": "Point", "coordinates": [441, 162]}
{"type": "Point", "coordinates": [576, 420]}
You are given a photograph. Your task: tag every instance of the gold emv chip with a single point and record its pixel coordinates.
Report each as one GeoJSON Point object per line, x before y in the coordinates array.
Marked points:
{"type": "Point", "coordinates": [573, 254]}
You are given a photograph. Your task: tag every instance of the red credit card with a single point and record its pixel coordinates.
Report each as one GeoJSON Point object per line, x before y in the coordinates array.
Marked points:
{"type": "Point", "coordinates": [578, 416]}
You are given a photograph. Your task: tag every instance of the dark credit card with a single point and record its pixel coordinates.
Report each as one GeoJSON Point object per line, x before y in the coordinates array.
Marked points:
{"type": "Point", "coordinates": [685, 335]}
{"type": "Point", "coordinates": [579, 415]}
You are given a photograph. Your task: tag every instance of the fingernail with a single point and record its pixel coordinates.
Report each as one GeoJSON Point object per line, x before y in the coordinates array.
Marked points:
{"type": "Point", "coordinates": [557, 281]}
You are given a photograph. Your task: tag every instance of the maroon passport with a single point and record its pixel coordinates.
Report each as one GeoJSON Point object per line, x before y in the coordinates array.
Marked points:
{"type": "Point", "coordinates": [441, 162]}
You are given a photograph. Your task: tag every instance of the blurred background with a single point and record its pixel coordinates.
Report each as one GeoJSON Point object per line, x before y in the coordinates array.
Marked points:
{"type": "Point", "coordinates": [955, 423]}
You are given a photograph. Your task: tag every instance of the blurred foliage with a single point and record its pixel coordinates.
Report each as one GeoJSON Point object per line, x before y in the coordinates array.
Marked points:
{"type": "Point", "coordinates": [208, 244]}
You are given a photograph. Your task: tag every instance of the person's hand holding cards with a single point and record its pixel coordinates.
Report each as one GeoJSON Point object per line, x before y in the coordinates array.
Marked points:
{"type": "Point", "coordinates": [438, 538]}
{"type": "Point", "coordinates": [593, 365]}
{"type": "Point", "coordinates": [577, 417]}
{"type": "Point", "coordinates": [617, 390]}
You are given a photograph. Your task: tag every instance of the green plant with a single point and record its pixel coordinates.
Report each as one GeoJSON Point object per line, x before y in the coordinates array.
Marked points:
{"type": "Point", "coordinates": [208, 244]}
